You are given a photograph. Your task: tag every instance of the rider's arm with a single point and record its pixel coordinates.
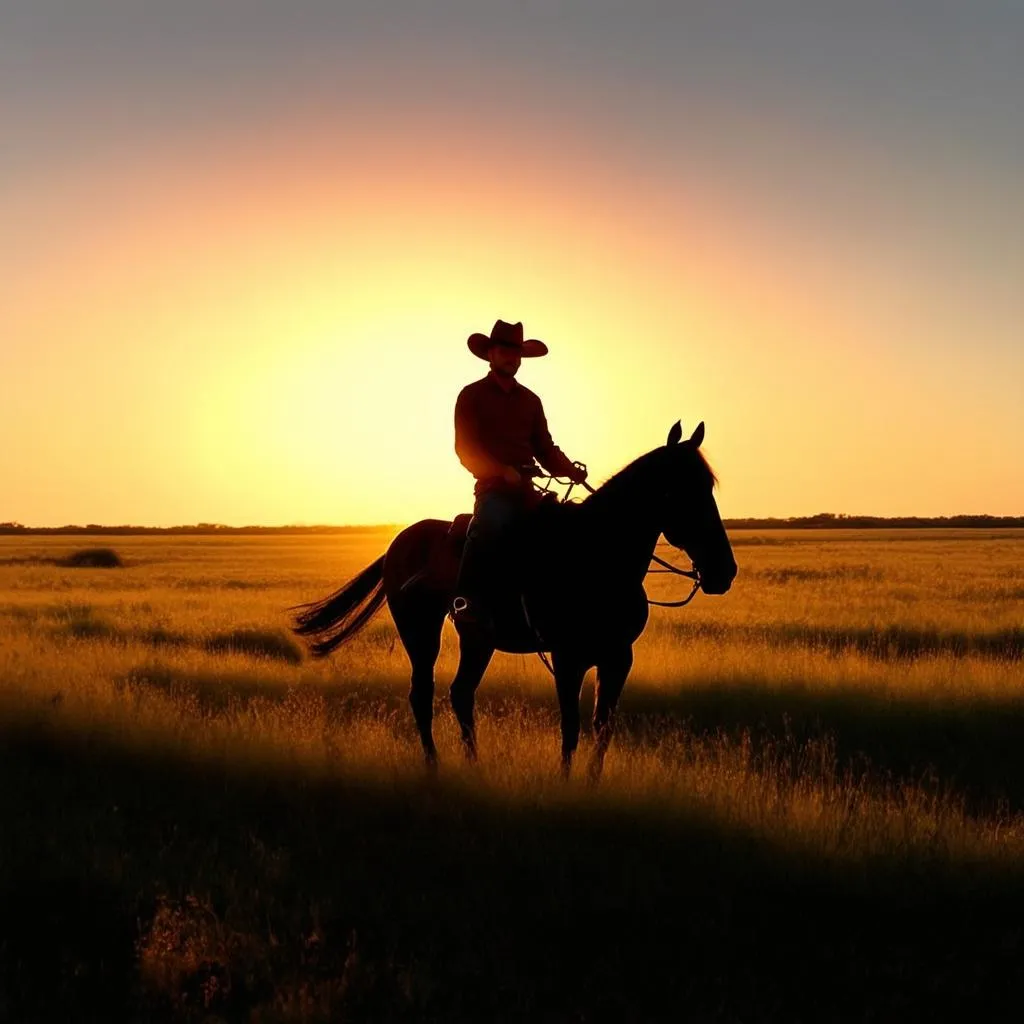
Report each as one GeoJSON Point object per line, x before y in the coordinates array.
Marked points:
{"type": "Point", "coordinates": [547, 453]}
{"type": "Point", "coordinates": [468, 443]}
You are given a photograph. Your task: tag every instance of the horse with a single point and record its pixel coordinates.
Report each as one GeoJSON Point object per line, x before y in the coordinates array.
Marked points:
{"type": "Point", "coordinates": [574, 589]}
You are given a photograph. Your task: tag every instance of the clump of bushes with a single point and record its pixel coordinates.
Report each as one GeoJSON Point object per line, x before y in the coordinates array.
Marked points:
{"type": "Point", "coordinates": [92, 558]}
{"type": "Point", "coordinates": [263, 643]}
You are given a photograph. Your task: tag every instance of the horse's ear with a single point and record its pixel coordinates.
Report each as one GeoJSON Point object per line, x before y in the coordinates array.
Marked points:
{"type": "Point", "coordinates": [697, 437]}
{"type": "Point", "coordinates": [675, 435]}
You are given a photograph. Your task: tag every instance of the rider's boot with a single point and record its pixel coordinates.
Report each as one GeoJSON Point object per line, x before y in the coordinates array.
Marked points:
{"type": "Point", "coordinates": [469, 607]}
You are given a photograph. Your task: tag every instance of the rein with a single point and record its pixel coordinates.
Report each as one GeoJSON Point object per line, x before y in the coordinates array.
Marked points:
{"type": "Point", "coordinates": [667, 567]}
{"type": "Point", "coordinates": [689, 573]}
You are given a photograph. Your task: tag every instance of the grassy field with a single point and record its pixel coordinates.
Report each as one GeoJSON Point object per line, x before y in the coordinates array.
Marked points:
{"type": "Point", "coordinates": [813, 809]}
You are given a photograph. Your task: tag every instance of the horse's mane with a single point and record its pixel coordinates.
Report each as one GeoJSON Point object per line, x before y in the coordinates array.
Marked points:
{"type": "Point", "coordinates": [642, 473]}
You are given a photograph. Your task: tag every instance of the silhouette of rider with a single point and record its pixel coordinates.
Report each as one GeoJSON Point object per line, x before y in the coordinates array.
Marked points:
{"type": "Point", "coordinates": [500, 429]}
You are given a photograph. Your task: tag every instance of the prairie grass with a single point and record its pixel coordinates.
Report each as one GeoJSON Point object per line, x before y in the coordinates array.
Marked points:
{"type": "Point", "coordinates": [801, 770]}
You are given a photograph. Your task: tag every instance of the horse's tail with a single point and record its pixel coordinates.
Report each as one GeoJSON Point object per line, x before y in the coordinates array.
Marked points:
{"type": "Point", "coordinates": [330, 622]}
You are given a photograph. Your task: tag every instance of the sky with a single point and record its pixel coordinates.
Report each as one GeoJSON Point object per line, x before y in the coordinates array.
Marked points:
{"type": "Point", "coordinates": [242, 245]}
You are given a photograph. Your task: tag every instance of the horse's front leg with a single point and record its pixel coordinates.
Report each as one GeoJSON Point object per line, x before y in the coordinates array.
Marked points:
{"type": "Point", "coordinates": [475, 654]}
{"type": "Point", "coordinates": [612, 670]}
{"type": "Point", "coordinates": [569, 673]}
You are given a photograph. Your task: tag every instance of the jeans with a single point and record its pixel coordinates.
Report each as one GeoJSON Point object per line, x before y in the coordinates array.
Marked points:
{"type": "Point", "coordinates": [496, 515]}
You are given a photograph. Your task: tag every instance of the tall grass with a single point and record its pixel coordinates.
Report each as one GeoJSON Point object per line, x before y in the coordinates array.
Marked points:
{"type": "Point", "coordinates": [851, 711]}
{"type": "Point", "coordinates": [856, 633]}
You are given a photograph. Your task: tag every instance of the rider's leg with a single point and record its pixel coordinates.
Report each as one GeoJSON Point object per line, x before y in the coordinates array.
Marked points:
{"type": "Point", "coordinates": [494, 516]}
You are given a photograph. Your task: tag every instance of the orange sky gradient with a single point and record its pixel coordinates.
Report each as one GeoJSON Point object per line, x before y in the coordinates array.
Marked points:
{"type": "Point", "coordinates": [263, 320]}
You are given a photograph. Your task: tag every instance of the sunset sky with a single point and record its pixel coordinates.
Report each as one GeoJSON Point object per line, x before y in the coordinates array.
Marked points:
{"type": "Point", "coordinates": [242, 245]}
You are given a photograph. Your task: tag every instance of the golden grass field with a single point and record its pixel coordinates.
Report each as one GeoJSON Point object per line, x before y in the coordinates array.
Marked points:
{"type": "Point", "coordinates": [854, 701]}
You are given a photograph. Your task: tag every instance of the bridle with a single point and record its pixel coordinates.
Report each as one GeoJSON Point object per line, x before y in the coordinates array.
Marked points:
{"type": "Point", "coordinates": [667, 567]}
{"type": "Point", "coordinates": [692, 574]}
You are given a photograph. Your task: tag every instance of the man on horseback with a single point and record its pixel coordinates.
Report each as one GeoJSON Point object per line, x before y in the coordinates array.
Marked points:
{"type": "Point", "coordinates": [500, 429]}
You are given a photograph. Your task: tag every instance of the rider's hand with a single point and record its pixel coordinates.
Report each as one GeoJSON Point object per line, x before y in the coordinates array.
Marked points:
{"type": "Point", "coordinates": [579, 473]}
{"type": "Point", "coordinates": [512, 476]}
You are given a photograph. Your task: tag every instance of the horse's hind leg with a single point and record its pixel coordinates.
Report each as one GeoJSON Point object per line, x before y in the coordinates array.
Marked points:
{"type": "Point", "coordinates": [419, 625]}
{"type": "Point", "coordinates": [475, 655]}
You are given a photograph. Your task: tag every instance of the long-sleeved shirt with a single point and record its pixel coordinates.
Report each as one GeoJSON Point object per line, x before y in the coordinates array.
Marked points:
{"type": "Point", "coordinates": [495, 428]}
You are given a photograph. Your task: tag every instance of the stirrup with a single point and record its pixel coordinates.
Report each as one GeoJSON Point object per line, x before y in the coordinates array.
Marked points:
{"type": "Point", "coordinates": [470, 613]}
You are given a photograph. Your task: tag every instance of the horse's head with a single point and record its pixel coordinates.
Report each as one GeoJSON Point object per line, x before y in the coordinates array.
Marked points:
{"type": "Point", "coordinates": [690, 514]}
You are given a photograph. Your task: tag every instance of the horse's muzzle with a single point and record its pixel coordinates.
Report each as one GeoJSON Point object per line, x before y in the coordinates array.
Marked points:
{"type": "Point", "coordinates": [717, 581]}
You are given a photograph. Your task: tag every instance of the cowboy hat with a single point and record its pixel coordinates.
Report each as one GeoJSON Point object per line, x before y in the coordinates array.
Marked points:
{"type": "Point", "coordinates": [506, 334]}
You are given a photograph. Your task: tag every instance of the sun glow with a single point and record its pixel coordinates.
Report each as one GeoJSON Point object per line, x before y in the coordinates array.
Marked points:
{"type": "Point", "coordinates": [245, 335]}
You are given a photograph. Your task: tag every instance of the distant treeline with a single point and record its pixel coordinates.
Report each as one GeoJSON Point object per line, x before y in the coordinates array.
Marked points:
{"type": "Point", "coordinates": [831, 521]}
{"type": "Point", "coordinates": [821, 521]}
{"type": "Point", "coordinates": [197, 528]}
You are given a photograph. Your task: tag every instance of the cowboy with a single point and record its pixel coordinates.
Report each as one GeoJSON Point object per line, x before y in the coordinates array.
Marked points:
{"type": "Point", "coordinates": [500, 429]}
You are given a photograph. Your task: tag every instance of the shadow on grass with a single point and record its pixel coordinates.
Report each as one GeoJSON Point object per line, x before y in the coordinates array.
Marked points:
{"type": "Point", "coordinates": [214, 583]}
{"type": "Point", "coordinates": [214, 692]}
{"type": "Point", "coordinates": [889, 643]}
{"type": "Point", "coordinates": [800, 574]}
{"type": "Point", "coordinates": [137, 886]}
{"type": "Point", "coordinates": [967, 747]}
{"type": "Point", "coordinates": [28, 560]}
{"type": "Point", "coordinates": [80, 623]}
{"type": "Point", "coordinates": [87, 558]}
{"type": "Point", "coordinates": [258, 643]}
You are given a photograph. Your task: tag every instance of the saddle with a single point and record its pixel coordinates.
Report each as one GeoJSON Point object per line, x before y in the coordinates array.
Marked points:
{"type": "Point", "coordinates": [513, 632]}
{"type": "Point", "coordinates": [455, 538]}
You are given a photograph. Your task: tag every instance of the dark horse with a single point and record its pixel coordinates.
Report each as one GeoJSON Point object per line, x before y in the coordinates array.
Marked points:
{"type": "Point", "coordinates": [575, 587]}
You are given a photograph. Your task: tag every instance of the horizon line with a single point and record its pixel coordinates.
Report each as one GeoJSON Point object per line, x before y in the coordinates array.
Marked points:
{"type": "Point", "coordinates": [819, 518]}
